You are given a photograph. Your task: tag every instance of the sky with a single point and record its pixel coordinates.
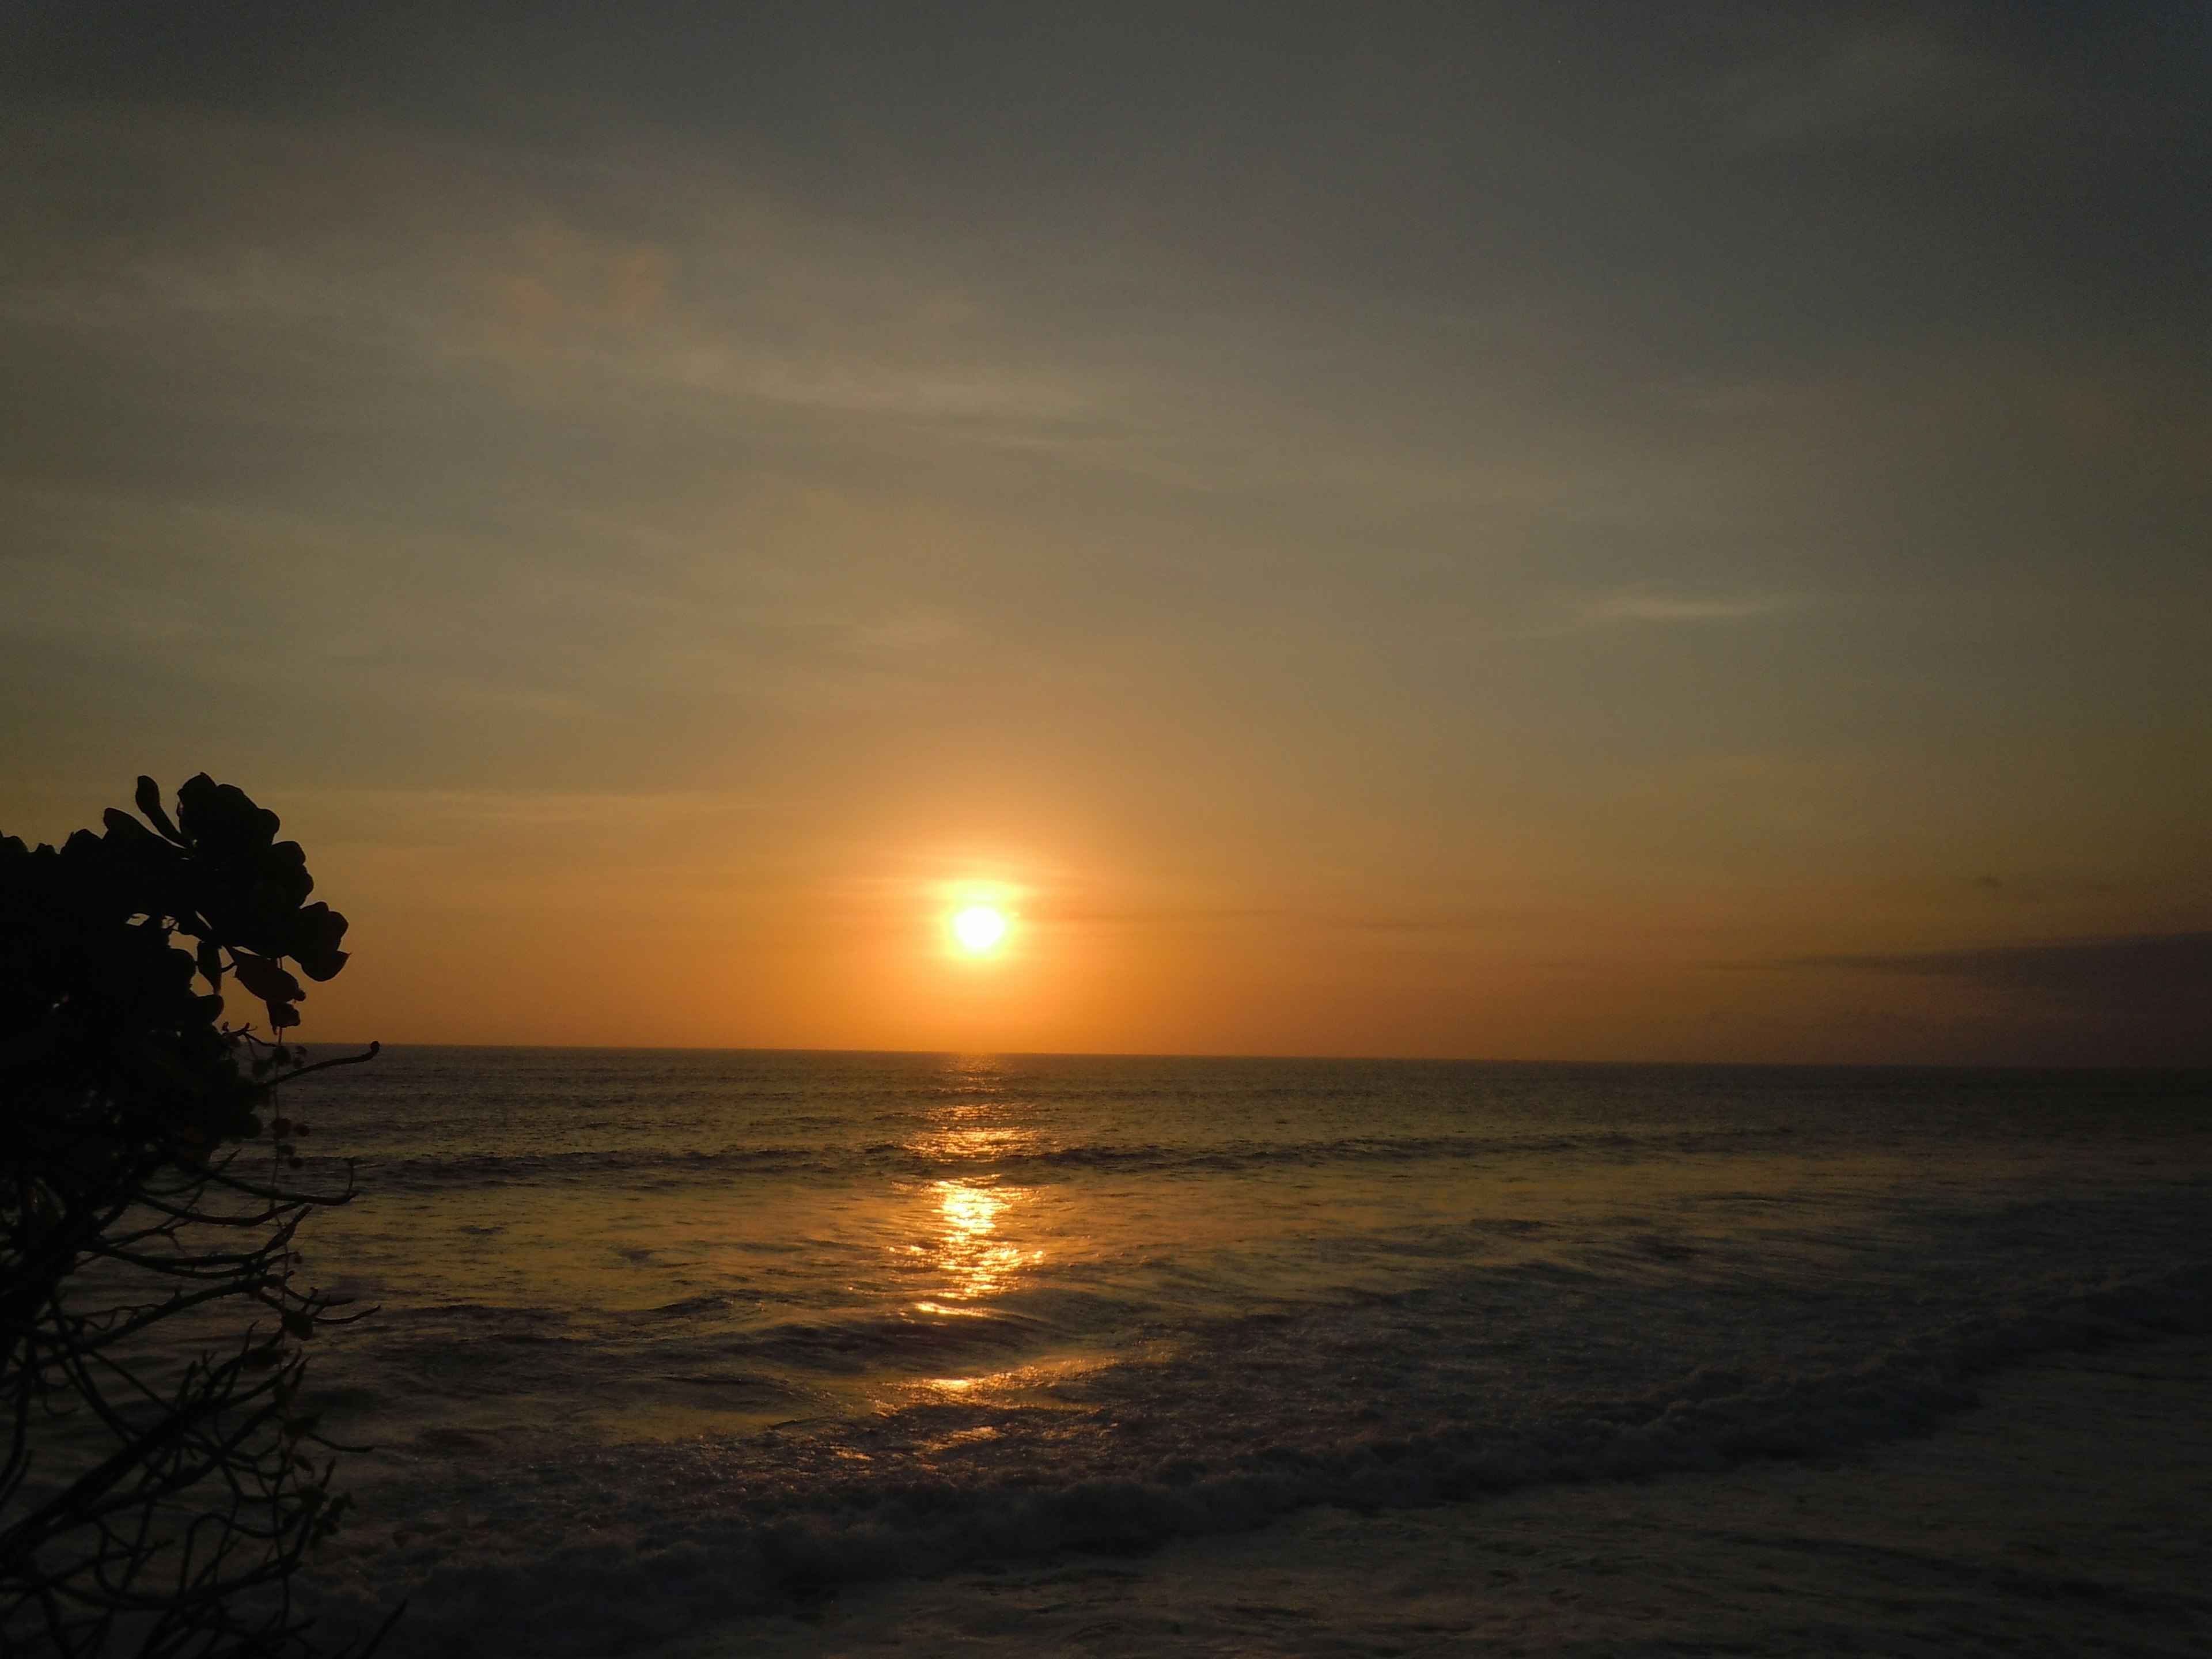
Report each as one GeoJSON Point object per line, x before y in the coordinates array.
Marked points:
{"type": "Point", "coordinates": [1567, 531]}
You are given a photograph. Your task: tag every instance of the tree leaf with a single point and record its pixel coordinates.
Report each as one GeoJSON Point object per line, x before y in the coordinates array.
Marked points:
{"type": "Point", "coordinates": [149, 803]}
{"type": "Point", "coordinates": [265, 978]}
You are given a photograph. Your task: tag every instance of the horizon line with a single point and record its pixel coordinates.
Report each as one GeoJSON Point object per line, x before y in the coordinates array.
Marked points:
{"type": "Point", "coordinates": [2167, 1069]}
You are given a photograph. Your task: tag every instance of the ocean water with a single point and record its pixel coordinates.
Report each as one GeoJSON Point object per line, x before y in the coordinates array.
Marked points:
{"type": "Point", "coordinates": [668, 1340]}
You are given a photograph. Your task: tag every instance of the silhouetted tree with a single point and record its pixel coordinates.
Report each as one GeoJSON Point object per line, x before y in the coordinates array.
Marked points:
{"type": "Point", "coordinates": [160, 1483]}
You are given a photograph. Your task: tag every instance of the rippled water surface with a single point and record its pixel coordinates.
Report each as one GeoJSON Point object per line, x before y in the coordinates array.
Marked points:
{"type": "Point", "coordinates": [667, 1338]}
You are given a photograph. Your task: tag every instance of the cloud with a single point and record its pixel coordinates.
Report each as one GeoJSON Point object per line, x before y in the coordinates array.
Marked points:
{"type": "Point", "coordinates": [1639, 606]}
{"type": "Point", "coordinates": [2119, 999]}
{"type": "Point", "coordinates": [1897, 81]}
{"type": "Point", "coordinates": [2135, 970]}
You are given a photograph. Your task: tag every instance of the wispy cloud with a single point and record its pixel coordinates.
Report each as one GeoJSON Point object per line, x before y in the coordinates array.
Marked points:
{"type": "Point", "coordinates": [1893, 82]}
{"type": "Point", "coordinates": [1643, 606]}
{"type": "Point", "coordinates": [2127, 970]}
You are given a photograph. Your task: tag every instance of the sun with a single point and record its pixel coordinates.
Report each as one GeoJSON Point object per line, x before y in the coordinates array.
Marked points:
{"type": "Point", "coordinates": [979, 928]}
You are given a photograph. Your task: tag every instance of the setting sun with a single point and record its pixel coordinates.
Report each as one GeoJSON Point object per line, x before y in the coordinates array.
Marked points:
{"type": "Point", "coordinates": [979, 927]}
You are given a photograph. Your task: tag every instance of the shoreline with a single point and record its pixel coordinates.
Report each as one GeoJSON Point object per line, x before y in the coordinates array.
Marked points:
{"type": "Point", "coordinates": [2069, 1511]}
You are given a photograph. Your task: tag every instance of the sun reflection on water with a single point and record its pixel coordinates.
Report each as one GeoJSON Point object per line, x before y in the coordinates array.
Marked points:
{"type": "Point", "coordinates": [969, 1251]}
{"type": "Point", "coordinates": [969, 1242]}
{"type": "Point", "coordinates": [975, 1232]}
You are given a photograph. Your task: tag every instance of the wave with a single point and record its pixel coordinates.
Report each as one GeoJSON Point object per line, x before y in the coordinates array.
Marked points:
{"type": "Point", "coordinates": [879, 1160]}
{"type": "Point", "coordinates": [616, 1547]}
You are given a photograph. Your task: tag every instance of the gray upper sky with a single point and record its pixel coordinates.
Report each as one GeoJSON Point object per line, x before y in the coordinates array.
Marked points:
{"type": "Point", "coordinates": [1563, 529]}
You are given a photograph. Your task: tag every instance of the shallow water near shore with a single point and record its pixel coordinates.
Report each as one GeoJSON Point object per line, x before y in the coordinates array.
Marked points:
{"type": "Point", "coordinates": [2068, 1511]}
{"type": "Point", "coordinates": [672, 1342]}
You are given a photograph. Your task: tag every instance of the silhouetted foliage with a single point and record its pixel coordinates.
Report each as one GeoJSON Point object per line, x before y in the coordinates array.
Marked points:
{"type": "Point", "coordinates": [160, 1482]}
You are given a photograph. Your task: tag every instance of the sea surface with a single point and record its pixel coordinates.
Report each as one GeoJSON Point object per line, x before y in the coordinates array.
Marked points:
{"type": "Point", "coordinates": [666, 1341]}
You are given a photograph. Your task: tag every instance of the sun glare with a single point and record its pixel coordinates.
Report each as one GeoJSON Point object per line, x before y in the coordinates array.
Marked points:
{"type": "Point", "coordinates": [979, 927]}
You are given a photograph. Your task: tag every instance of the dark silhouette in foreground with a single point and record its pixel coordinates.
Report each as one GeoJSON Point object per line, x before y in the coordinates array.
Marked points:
{"type": "Point", "coordinates": [158, 1484]}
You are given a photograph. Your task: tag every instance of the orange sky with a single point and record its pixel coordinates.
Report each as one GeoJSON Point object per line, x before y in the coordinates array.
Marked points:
{"type": "Point", "coordinates": [1403, 531]}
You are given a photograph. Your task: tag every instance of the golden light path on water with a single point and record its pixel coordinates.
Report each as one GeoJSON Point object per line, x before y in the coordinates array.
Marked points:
{"type": "Point", "coordinates": [971, 1251]}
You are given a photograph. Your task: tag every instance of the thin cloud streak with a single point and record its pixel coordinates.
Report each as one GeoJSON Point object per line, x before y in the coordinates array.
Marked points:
{"type": "Point", "coordinates": [1645, 607]}
{"type": "Point", "coordinates": [2124, 971]}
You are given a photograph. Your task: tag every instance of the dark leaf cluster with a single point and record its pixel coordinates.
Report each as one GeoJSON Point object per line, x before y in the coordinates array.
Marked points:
{"type": "Point", "coordinates": [159, 1478]}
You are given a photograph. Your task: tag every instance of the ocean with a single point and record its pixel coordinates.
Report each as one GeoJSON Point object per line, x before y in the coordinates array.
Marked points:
{"type": "Point", "coordinates": [668, 1343]}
